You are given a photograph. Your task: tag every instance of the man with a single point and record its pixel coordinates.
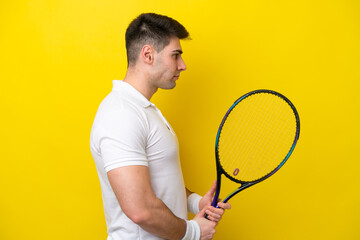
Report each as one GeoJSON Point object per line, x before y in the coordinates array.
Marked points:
{"type": "Point", "coordinates": [136, 150]}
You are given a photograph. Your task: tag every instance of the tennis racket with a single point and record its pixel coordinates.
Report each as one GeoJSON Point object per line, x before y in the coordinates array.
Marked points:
{"type": "Point", "coordinates": [256, 137]}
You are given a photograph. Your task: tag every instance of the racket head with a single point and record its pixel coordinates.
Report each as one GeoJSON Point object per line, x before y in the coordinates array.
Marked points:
{"type": "Point", "coordinates": [256, 137]}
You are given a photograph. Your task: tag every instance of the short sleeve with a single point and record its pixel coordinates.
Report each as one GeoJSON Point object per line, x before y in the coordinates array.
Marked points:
{"type": "Point", "coordinates": [122, 139]}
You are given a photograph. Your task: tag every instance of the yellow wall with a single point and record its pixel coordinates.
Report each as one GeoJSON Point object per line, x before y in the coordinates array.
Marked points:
{"type": "Point", "coordinates": [57, 60]}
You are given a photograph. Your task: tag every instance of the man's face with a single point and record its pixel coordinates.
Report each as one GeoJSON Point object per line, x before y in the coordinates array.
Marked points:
{"type": "Point", "coordinates": [168, 64]}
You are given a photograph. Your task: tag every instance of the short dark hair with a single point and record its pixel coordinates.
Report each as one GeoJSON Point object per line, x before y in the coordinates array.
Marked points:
{"type": "Point", "coordinates": [153, 29]}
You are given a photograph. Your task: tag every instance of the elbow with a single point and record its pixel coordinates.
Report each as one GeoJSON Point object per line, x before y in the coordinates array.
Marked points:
{"type": "Point", "coordinates": [140, 212]}
{"type": "Point", "coordinates": [141, 218]}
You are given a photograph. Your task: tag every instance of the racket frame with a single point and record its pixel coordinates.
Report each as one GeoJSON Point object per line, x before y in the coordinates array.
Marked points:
{"type": "Point", "coordinates": [246, 184]}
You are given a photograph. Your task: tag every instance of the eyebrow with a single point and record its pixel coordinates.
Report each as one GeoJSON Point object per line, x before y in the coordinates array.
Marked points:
{"type": "Point", "coordinates": [178, 51]}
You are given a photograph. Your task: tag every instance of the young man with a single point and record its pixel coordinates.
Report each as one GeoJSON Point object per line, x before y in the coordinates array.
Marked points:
{"type": "Point", "coordinates": [136, 150]}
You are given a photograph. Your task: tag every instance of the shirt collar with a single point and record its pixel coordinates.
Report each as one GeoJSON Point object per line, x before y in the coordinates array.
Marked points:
{"type": "Point", "coordinates": [131, 92]}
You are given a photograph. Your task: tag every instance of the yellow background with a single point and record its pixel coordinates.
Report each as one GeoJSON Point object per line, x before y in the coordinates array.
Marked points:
{"type": "Point", "coordinates": [57, 61]}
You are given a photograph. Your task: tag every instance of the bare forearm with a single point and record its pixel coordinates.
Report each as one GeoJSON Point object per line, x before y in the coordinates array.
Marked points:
{"type": "Point", "coordinates": [133, 190]}
{"type": "Point", "coordinates": [160, 221]}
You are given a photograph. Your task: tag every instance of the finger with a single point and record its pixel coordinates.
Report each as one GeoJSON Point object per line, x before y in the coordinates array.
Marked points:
{"type": "Point", "coordinates": [213, 216]}
{"type": "Point", "coordinates": [213, 220]}
{"type": "Point", "coordinates": [217, 211]}
{"type": "Point", "coordinates": [224, 205]}
{"type": "Point", "coordinates": [212, 190]}
{"type": "Point", "coordinates": [201, 213]}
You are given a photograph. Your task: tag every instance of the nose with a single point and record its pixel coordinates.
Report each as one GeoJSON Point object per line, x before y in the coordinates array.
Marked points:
{"type": "Point", "coordinates": [181, 65]}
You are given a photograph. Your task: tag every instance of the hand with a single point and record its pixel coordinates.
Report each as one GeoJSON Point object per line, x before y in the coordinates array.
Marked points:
{"type": "Point", "coordinates": [207, 228]}
{"type": "Point", "coordinates": [214, 214]}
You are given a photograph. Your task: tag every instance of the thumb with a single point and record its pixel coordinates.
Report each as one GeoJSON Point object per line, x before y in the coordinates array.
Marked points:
{"type": "Point", "coordinates": [212, 190]}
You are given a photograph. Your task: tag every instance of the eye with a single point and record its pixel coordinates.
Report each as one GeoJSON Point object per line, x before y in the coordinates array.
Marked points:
{"type": "Point", "coordinates": [176, 56]}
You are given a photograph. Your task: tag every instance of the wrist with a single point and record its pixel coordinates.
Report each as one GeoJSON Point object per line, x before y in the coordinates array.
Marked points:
{"type": "Point", "coordinates": [193, 203]}
{"type": "Point", "coordinates": [192, 230]}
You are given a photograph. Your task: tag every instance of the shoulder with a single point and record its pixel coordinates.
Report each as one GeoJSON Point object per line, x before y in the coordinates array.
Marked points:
{"type": "Point", "coordinates": [121, 113]}
{"type": "Point", "coordinates": [116, 107]}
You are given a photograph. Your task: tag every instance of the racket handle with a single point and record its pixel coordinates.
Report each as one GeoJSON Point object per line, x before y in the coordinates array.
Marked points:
{"type": "Point", "coordinates": [216, 197]}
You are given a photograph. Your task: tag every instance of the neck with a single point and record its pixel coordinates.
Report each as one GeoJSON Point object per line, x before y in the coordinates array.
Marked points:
{"type": "Point", "coordinates": [140, 82]}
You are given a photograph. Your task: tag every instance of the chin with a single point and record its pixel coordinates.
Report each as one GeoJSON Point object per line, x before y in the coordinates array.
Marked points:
{"type": "Point", "coordinates": [169, 86]}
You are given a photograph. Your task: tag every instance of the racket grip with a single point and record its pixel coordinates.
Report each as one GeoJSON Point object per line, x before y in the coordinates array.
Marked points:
{"type": "Point", "coordinates": [216, 197]}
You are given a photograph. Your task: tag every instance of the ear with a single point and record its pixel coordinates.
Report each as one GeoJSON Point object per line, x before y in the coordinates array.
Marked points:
{"type": "Point", "coordinates": [147, 54]}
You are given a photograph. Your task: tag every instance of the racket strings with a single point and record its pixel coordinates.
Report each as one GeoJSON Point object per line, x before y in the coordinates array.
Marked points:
{"type": "Point", "coordinates": [236, 151]}
{"type": "Point", "coordinates": [251, 116]}
{"type": "Point", "coordinates": [232, 153]}
{"type": "Point", "coordinates": [257, 131]}
{"type": "Point", "coordinates": [234, 134]}
{"type": "Point", "coordinates": [256, 136]}
{"type": "Point", "coordinates": [273, 159]}
{"type": "Point", "coordinates": [262, 161]}
{"type": "Point", "coordinates": [252, 164]}
{"type": "Point", "coordinates": [260, 140]}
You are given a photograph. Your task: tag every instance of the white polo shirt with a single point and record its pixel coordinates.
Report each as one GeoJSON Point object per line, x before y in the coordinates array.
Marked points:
{"type": "Point", "coordinates": [129, 130]}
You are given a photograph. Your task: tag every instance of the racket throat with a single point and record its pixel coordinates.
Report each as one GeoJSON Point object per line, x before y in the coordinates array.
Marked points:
{"type": "Point", "coordinates": [242, 187]}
